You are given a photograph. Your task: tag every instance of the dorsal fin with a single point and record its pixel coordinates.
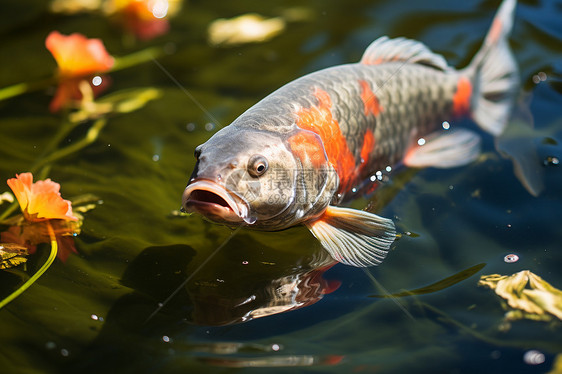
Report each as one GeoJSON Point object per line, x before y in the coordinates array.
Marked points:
{"type": "Point", "coordinates": [385, 49]}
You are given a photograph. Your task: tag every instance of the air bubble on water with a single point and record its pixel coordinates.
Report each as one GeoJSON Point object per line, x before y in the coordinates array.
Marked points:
{"type": "Point", "coordinates": [96, 81]}
{"type": "Point", "coordinates": [166, 339]}
{"type": "Point", "coordinates": [388, 169]}
{"type": "Point", "coordinates": [156, 158]}
{"type": "Point", "coordinates": [64, 352]}
{"type": "Point", "coordinates": [190, 126]}
{"type": "Point", "coordinates": [511, 258]}
{"type": "Point", "coordinates": [551, 161]}
{"type": "Point", "coordinates": [94, 317]}
{"type": "Point", "coordinates": [275, 347]}
{"type": "Point", "coordinates": [354, 190]}
{"type": "Point", "coordinates": [209, 126]}
{"type": "Point", "coordinates": [50, 345]}
{"type": "Point", "coordinates": [446, 125]}
{"type": "Point", "coordinates": [373, 178]}
{"type": "Point", "coordinates": [245, 262]}
{"type": "Point", "coordinates": [533, 357]}
{"type": "Point", "coordinates": [159, 8]}
{"type": "Point", "coordinates": [421, 141]}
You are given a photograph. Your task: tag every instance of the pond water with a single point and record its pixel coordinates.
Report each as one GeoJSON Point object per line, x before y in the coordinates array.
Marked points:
{"type": "Point", "coordinates": [151, 290]}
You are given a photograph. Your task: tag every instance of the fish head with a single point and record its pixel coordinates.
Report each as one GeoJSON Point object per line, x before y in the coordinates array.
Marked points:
{"type": "Point", "coordinates": [243, 176]}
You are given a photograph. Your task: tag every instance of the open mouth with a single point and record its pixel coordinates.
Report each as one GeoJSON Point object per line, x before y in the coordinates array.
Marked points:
{"type": "Point", "coordinates": [214, 202]}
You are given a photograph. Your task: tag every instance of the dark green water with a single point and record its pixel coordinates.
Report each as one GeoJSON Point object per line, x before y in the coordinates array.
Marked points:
{"type": "Point", "coordinates": [95, 312]}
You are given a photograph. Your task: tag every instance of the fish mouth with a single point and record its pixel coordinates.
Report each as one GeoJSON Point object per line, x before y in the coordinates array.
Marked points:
{"type": "Point", "coordinates": [215, 202]}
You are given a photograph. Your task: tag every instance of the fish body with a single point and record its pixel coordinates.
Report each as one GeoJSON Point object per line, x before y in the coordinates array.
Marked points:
{"type": "Point", "coordinates": [298, 153]}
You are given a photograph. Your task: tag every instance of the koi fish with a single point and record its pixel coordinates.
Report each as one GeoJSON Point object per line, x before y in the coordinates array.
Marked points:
{"type": "Point", "coordinates": [293, 157]}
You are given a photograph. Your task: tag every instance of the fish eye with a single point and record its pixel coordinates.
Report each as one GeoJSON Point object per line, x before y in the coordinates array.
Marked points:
{"type": "Point", "coordinates": [257, 165]}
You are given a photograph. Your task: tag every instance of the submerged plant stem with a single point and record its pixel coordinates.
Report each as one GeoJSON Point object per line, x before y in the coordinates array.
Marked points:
{"type": "Point", "coordinates": [90, 137]}
{"type": "Point", "coordinates": [46, 265]}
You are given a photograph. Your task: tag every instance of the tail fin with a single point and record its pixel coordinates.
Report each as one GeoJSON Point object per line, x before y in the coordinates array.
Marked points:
{"type": "Point", "coordinates": [494, 74]}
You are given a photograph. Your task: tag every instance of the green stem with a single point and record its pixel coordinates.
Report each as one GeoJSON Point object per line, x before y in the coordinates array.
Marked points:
{"type": "Point", "coordinates": [137, 58]}
{"type": "Point", "coordinates": [90, 137]}
{"type": "Point", "coordinates": [21, 88]}
{"type": "Point", "coordinates": [46, 265]}
{"type": "Point", "coordinates": [62, 133]}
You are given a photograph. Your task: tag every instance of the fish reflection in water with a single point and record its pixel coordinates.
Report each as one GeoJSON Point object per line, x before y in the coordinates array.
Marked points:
{"type": "Point", "coordinates": [245, 280]}
{"type": "Point", "coordinates": [215, 304]}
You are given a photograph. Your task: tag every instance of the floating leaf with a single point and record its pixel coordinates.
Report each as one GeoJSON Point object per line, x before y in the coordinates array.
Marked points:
{"type": "Point", "coordinates": [527, 295]}
{"type": "Point", "coordinates": [247, 28]}
{"type": "Point", "coordinates": [12, 255]}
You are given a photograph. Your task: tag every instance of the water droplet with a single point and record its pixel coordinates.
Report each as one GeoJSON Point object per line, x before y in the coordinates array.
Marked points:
{"type": "Point", "coordinates": [354, 190]}
{"type": "Point", "coordinates": [388, 169]}
{"type": "Point", "coordinates": [373, 178]}
{"type": "Point", "coordinates": [451, 187]}
{"type": "Point", "coordinates": [160, 8]}
{"type": "Point", "coordinates": [446, 125]}
{"type": "Point", "coordinates": [156, 158]}
{"type": "Point", "coordinates": [209, 126]}
{"type": "Point", "coordinates": [64, 352]}
{"type": "Point", "coordinates": [94, 317]}
{"type": "Point", "coordinates": [551, 161]}
{"type": "Point", "coordinates": [421, 141]}
{"type": "Point", "coordinates": [190, 126]}
{"type": "Point", "coordinates": [96, 81]}
{"type": "Point", "coordinates": [511, 258]}
{"type": "Point", "coordinates": [166, 339]}
{"type": "Point", "coordinates": [275, 347]}
{"type": "Point", "coordinates": [533, 357]}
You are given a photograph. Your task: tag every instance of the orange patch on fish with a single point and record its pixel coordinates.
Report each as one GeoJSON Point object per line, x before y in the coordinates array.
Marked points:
{"type": "Point", "coordinates": [461, 99]}
{"type": "Point", "coordinates": [308, 146]}
{"type": "Point", "coordinates": [319, 119]}
{"type": "Point", "coordinates": [370, 100]}
{"type": "Point", "coordinates": [368, 145]}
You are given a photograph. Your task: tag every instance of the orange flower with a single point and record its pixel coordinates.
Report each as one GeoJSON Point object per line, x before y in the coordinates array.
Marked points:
{"type": "Point", "coordinates": [146, 19]}
{"type": "Point", "coordinates": [77, 57]}
{"type": "Point", "coordinates": [41, 200]}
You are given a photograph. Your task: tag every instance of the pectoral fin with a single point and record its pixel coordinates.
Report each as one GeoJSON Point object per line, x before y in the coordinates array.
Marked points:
{"type": "Point", "coordinates": [445, 149]}
{"type": "Point", "coordinates": [354, 237]}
